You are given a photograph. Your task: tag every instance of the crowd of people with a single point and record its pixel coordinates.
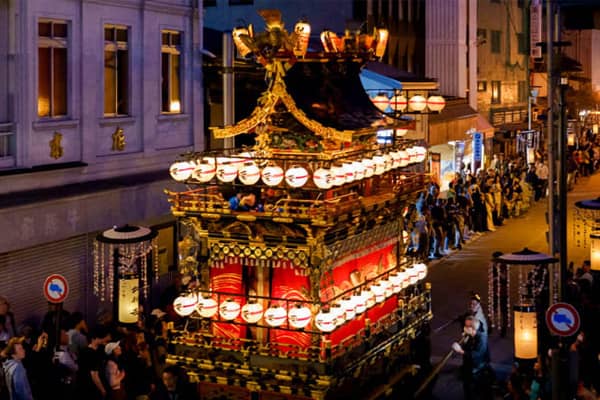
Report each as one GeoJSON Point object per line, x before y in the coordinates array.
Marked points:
{"type": "Point", "coordinates": [441, 221]}
{"type": "Point", "coordinates": [66, 360]}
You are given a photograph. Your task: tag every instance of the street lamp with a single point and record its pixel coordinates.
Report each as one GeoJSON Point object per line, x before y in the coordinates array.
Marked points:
{"type": "Point", "coordinates": [588, 214]}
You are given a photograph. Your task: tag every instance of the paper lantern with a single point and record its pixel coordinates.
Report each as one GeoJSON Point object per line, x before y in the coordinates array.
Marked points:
{"type": "Point", "coordinates": [369, 296]}
{"type": "Point", "coordinates": [229, 309]}
{"type": "Point", "coordinates": [302, 31]}
{"type": "Point", "coordinates": [595, 250]}
{"type": "Point", "coordinates": [339, 314]}
{"type": "Point", "coordinates": [413, 275]}
{"type": "Point", "coordinates": [226, 170]}
{"type": "Point", "coordinates": [181, 170]}
{"type": "Point", "coordinates": [252, 312]}
{"type": "Point", "coordinates": [420, 153]}
{"type": "Point", "coordinates": [381, 101]}
{"type": "Point", "coordinates": [379, 163]}
{"type": "Point", "coordinates": [339, 175]}
{"type": "Point", "coordinates": [387, 287]}
{"type": "Point", "coordinates": [272, 175]}
{"type": "Point", "coordinates": [359, 170]}
{"type": "Point", "coordinates": [405, 278]}
{"type": "Point", "coordinates": [360, 303]}
{"type": "Point", "coordinates": [299, 316]}
{"type": "Point", "coordinates": [379, 292]}
{"type": "Point", "coordinates": [421, 270]}
{"type": "Point", "coordinates": [412, 155]}
{"type": "Point", "coordinates": [207, 307]}
{"type": "Point", "coordinates": [396, 159]}
{"type": "Point", "coordinates": [186, 304]}
{"type": "Point", "coordinates": [369, 167]}
{"type": "Point", "coordinates": [323, 178]}
{"type": "Point", "coordinates": [417, 103]}
{"type": "Point", "coordinates": [296, 176]}
{"type": "Point", "coordinates": [404, 158]}
{"type": "Point", "coordinates": [349, 172]}
{"type": "Point", "coordinates": [436, 103]}
{"type": "Point", "coordinates": [275, 316]}
{"type": "Point", "coordinates": [204, 172]}
{"type": "Point", "coordinates": [349, 308]}
{"type": "Point", "coordinates": [525, 322]}
{"type": "Point", "coordinates": [396, 282]}
{"type": "Point", "coordinates": [128, 300]}
{"type": "Point", "coordinates": [388, 163]}
{"type": "Point", "coordinates": [325, 321]}
{"type": "Point", "coordinates": [249, 173]}
{"type": "Point", "coordinates": [399, 103]}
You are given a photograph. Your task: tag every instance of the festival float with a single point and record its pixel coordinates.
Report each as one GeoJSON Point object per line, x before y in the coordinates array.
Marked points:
{"type": "Point", "coordinates": [293, 250]}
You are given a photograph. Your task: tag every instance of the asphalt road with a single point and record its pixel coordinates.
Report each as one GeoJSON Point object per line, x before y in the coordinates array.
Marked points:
{"type": "Point", "coordinates": [456, 275]}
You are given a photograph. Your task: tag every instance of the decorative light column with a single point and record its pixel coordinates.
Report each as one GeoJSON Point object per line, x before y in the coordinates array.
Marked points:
{"type": "Point", "coordinates": [122, 259]}
{"type": "Point", "coordinates": [587, 216]}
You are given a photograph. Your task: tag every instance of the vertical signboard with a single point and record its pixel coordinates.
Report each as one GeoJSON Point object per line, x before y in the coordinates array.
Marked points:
{"type": "Point", "coordinates": [535, 30]}
{"type": "Point", "coordinates": [477, 151]}
{"type": "Point", "coordinates": [436, 168]}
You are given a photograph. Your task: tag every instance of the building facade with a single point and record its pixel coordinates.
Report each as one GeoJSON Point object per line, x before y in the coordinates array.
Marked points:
{"type": "Point", "coordinates": [97, 98]}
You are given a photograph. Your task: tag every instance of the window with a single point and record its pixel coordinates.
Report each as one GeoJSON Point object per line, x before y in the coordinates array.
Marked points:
{"type": "Point", "coordinates": [521, 3]}
{"type": "Point", "coordinates": [241, 2]}
{"type": "Point", "coordinates": [496, 36]}
{"type": "Point", "coordinates": [116, 70]}
{"type": "Point", "coordinates": [171, 72]}
{"type": "Point", "coordinates": [522, 43]}
{"type": "Point", "coordinates": [52, 68]}
{"type": "Point", "coordinates": [481, 33]}
{"type": "Point", "coordinates": [496, 92]}
{"type": "Point", "coordinates": [523, 91]}
{"type": "Point", "coordinates": [209, 3]}
{"type": "Point", "coordinates": [481, 86]}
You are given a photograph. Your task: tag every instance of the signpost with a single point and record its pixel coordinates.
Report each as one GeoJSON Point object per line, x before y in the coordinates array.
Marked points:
{"type": "Point", "coordinates": [56, 290]}
{"type": "Point", "coordinates": [562, 319]}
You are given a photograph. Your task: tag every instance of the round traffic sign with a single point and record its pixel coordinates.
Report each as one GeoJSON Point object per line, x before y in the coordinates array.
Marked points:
{"type": "Point", "coordinates": [562, 319]}
{"type": "Point", "coordinates": [56, 288]}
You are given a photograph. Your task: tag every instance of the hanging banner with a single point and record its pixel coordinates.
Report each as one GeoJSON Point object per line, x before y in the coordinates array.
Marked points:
{"type": "Point", "coordinates": [459, 153]}
{"type": "Point", "coordinates": [477, 151]}
{"type": "Point", "coordinates": [535, 32]}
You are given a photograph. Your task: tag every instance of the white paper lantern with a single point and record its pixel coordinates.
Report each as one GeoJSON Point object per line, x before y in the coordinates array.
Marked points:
{"type": "Point", "coordinates": [252, 312]}
{"type": "Point", "coordinates": [296, 176]}
{"type": "Point", "coordinates": [349, 308]}
{"type": "Point", "coordinates": [325, 321]}
{"type": "Point", "coordinates": [339, 314]}
{"type": "Point", "coordinates": [405, 278]}
{"type": "Point", "coordinates": [249, 173]}
{"type": "Point", "coordinates": [396, 282]}
{"type": "Point", "coordinates": [181, 170]}
{"type": "Point", "coordinates": [204, 172]}
{"type": "Point", "coordinates": [404, 158]}
{"type": "Point", "coordinates": [412, 155]}
{"type": "Point", "coordinates": [299, 316]}
{"type": "Point", "coordinates": [186, 304]}
{"type": "Point", "coordinates": [323, 178]}
{"type": "Point", "coordinates": [229, 309]}
{"type": "Point", "coordinates": [399, 103]}
{"type": "Point", "coordinates": [436, 103]}
{"type": "Point", "coordinates": [275, 316]}
{"type": "Point", "coordinates": [379, 162]}
{"type": "Point", "coordinates": [417, 103]}
{"type": "Point", "coordinates": [387, 158]}
{"type": "Point", "coordinates": [379, 292]}
{"type": "Point", "coordinates": [272, 175]}
{"type": "Point", "coordinates": [421, 270]}
{"type": "Point", "coordinates": [381, 101]}
{"type": "Point", "coordinates": [369, 296]}
{"type": "Point", "coordinates": [207, 307]}
{"type": "Point", "coordinates": [226, 171]}
{"type": "Point", "coordinates": [413, 275]}
{"type": "Point", "coordinates": [396, 158]}
{"type": "Point", "coordinates": [387, 287]}
{"type": "Point", "coordinates": [420, 153]}
{"type": "Point", "coordinates": [359, 170]}
{"type": "Point", "coordinates": [349, 172]}
{"type": "Point", "coordinates": [369, 167]}
{"type": "Point", "coordinates": [339, 175]}
{"type": "Point", "coordinates": [360, 303]}
{"type": "Point", "coordinates": [237, 162]}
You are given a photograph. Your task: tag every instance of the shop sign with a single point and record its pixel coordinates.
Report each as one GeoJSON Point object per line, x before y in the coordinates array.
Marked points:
{"type": "Point", "coordinates": [535, 31]}
{"type": "Point", "coordinates": [459, 153]}
{"type": "Point", "coordinates": [477, 150]}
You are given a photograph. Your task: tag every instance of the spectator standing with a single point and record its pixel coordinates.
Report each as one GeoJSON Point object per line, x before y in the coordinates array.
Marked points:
{"type": "Point", "coordinates": [76, 332]}
{"type": "Point", "coordinates": [91, 359]}
{"type": "Point", "coordinates": [14, 371]}
{"type": "Point", "coordinates": [541, 172]}
{"type": "Point", "coordinates": [9, 317]}
{"type": "Point", "coordinates": [174, 386]}
{"type": "Point", "coordinates": [114, 373]}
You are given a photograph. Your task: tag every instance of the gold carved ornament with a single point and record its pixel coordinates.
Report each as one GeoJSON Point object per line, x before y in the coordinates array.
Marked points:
{"type": "Point", "coordinates": [118, 140]}
{"type": "Point", "coordinates": [56, 149]}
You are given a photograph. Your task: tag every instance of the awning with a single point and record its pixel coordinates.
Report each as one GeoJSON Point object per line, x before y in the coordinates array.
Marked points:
{"type": "Point", "coordinates": [452, 123]}
{"type": "Point", "coordinates": [374, 82]}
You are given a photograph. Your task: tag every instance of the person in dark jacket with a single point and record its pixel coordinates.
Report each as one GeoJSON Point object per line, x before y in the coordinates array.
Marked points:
{"type": "Point", "coordinates": [174, 386]}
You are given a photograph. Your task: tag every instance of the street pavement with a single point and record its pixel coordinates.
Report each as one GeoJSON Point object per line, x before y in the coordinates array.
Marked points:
{"type": "Point", "coordinates": [456, 275]}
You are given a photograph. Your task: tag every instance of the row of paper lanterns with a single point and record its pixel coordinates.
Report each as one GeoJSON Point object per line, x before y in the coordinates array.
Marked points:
{"type": "Point", "coordinates": [227, 169]}
{"type": "Point", "coordinates": [416, 103]}
{"type": "Point", "coordinates": [300, 315]}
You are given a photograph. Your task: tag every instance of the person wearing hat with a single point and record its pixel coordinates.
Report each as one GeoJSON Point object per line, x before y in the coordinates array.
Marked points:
{"type": "Point", "coordinates": [15, 373]}
{"type": "Point", "coordinates": [114, 373]}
